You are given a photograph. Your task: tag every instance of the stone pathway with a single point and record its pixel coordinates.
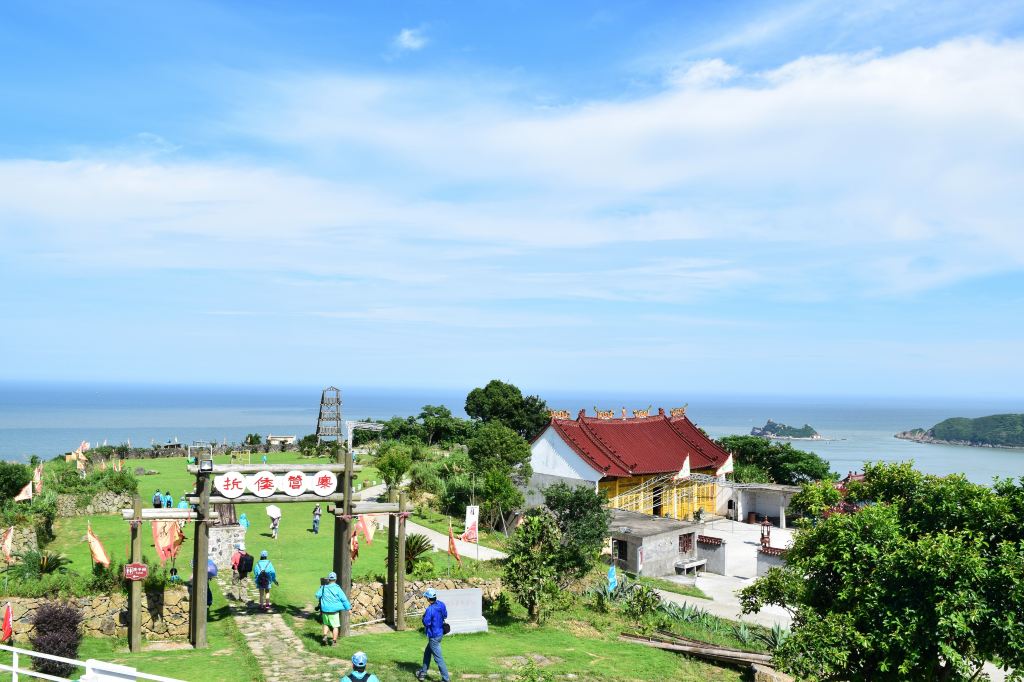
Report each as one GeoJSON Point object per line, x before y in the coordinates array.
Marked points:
{"type": "Point", "coordinates": [279, 651]}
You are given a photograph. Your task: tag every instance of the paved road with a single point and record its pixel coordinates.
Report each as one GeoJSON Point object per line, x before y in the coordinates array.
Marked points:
{"type": "Point", "coordinates": [466, 549]}
{"type": "Point", "coordinates": [724, 603]}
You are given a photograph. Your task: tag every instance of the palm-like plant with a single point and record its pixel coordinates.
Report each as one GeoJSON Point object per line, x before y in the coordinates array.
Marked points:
{"type": "Point", "coordinates": [416, 545]}
{"type": "Point", "coordinates": [35, 564]}
{"type": "Point", "coordinates": [774, 638]}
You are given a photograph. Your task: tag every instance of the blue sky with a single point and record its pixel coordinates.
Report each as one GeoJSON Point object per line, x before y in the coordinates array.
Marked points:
{"type": "Point", "coordinates": [796, 198]}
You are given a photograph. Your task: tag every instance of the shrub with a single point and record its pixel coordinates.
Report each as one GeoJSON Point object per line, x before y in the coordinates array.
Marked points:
{"type": "Point", "coordinates": [35, 564]}
{"type": "Point", "coordinates": [56, 633]}
{"type": "Point", "coordinates": [641, 602]}
{"type": "Point", "coordinates": [13, 478]}
{"type": "Point", "coordinates": [425, 570]}
{"type": "Point", "coordinates": [417, 546]}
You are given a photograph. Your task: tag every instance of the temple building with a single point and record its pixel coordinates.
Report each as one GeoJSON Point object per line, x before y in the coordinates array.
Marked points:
{"type": "Point", "coordinates": [660, 464]}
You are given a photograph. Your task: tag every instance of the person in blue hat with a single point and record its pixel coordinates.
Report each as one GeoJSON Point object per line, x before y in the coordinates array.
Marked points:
{"type": "Point", "coordinates": [358, 673]}
{"type": "Point", "coordinates": [264, 575]}
{"type": "Point", "coordinates": [433, 625]}
{"type": "Point", "coordinates": [332, 602]}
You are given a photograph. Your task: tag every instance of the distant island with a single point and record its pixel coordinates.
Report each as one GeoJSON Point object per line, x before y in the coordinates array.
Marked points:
{"type": "Point", "coordinates": [775, 430]}
{"type": "Point", "coordinates": [994, 431]}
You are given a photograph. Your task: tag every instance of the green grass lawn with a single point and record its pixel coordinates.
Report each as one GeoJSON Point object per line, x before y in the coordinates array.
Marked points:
{"type": "Point", "coordinates": [575, 641]}
{"type": "Point", "coordinates": [669, 586]}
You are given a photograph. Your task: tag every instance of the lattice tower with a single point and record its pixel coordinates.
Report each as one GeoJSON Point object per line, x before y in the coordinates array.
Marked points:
{"type": "Point", "coordinates": [328, 424]}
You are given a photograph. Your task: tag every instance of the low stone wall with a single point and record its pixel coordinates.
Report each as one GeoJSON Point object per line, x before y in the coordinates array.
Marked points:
{"type": "Point", "coordinates": [368, 598]}
{"type": "Point", "coordinates": [104, 502]}
{"type": "Point", "coordinates": [771, 557]}
{"type": "Point", "coordinates": [164, 615]}
{"type": "Point", "coordinates": [712, 549]}
{"type": "Point", "coordinates": [24, 540]}
{"type": "Point", "coordinates": [222, 544]}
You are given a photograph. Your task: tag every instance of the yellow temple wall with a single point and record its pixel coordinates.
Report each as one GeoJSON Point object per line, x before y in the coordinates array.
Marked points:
{"type": "Point", "coordinates": [679, 500]}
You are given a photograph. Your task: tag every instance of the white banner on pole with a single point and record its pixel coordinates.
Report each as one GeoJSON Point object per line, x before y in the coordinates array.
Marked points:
{"type": "Point", "coordinates": [472, 524]}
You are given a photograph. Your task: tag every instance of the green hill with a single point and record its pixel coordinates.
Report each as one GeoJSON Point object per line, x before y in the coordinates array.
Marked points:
{"type": "Point", "coordinates": [775, 430]}
{"type": "Point", "coordinates": [1005, 430]}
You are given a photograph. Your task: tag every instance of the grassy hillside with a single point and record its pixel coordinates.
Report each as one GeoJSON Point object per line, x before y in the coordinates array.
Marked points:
{"type": "Point", "coordinates": [1005, 430]}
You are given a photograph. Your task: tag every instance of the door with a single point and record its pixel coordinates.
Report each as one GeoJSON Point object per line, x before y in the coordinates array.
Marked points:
{"type": "Point", "coordinates": [658, 492]}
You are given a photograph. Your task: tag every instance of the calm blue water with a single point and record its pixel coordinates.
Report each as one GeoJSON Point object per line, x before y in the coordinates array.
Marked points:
{"type": "Point", "coordinates": [48, 419]}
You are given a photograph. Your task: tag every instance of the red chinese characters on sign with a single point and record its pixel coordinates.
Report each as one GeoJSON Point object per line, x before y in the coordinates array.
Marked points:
{"type": "Point", "coordinates": [293, 483]}
{"type": "Point", "coordinates": [324, 483]}
{"type": "Point", "coordinates": [262, 484]}
{"type": "Point", "coordinates": [136, 571]}
{"type": "Point", "coordinates": [230, 485]}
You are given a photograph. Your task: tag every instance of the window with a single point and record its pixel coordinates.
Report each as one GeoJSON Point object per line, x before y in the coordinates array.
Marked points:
{"type": "Point", "coordinates": [686, 543]}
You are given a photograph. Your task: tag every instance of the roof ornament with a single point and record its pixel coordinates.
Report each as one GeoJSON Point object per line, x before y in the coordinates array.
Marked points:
{"type": "Point", "coordinates": [604, 414]}
{"type": "Point", "coordinates": [679, 411]}
{"type": "Point", "coordinates": [661, 411]}
{"type": "Point", "coordinates": [642, 413]}
{"type": "Point", "coordinates": [582, 413]}
{"type": "Point", "coordinates": [623, 411]}
{"type": "Point", "coordinates": [559, 414]}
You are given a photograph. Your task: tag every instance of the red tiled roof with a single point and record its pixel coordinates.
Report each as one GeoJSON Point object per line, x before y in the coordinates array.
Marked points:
{"type": "Point", "coordinates": [645, 445]}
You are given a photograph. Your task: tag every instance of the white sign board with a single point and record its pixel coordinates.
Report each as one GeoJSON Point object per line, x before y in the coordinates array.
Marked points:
{"type": "Point", "coordinates": [465, 610]}
{"type": "Point", "coordinates": [264, 484]}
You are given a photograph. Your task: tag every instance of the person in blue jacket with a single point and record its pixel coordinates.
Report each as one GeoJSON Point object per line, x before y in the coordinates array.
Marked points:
{"type": "Point", "coordinates": [168, 500]}
{"type": "Point", "coordinates": [332, 601]}
{"type": "Point", "coordinates": [433, 624]}
{"type": "Point", "coordinates": [358, 673]}
{"type": "Point", "coordinates": [264, 575]}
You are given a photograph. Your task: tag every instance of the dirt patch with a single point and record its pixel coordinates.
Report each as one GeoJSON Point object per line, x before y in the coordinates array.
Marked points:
{"type": "Point", "coordinates": [539, 660]}
{"type": "Point", "coordinates": [583, 629]}
{"type": "Point", "coordinates": [171, 646]}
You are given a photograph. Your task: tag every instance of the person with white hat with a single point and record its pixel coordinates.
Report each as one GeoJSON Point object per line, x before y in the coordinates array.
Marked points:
{"type": "Point", "coordinates": [332, 601]}
{"type": "Point", "coordinates": [434, 626]}
{"type": "Point", "coordinates": [358, 673]}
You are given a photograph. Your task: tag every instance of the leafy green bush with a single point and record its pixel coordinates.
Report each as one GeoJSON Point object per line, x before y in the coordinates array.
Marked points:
{"type": "Point", "coordinates": [35, 564]}
{"type": "Point", "coordinates": [13, 477]}
{"type": "Point", "coordinates": [417, 546]}
{"type": "Point", "coordinates": [641, 602]}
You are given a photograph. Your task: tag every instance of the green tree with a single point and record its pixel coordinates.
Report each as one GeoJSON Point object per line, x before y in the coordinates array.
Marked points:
{"type": "Point", "coordinates": [253, 439]}
{"type": "Point", "coordinates": [438, 423]}
{"type": "Point", "coordinates": [529, 569]}
{"type": "Point", "coordinates": [405, 429]}
{"type": "Point", "coordinates": [504, 402]}
{"type": "Point", "coordinates": [784, 463]}
{"type": "Point", "coordinates": [815, 498]}
{"type": "Point", "coordinates": [749, 473]}
{"type": "Point", "coordinates": [582, 519]}
{"type": "Point", "coordinates": [924, 583]}
{"type": "Point", "coordinates": [495, 446]}
{"type": "Point", "coordinates": [498, 496]}
{"type": "Point", "coordinates": [393, 462]}
{"type": "Point", "coordinates": [13, 477]}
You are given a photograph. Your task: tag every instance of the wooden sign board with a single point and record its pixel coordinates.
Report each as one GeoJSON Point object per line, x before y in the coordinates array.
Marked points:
{"type": "Point", "coordinates": [136, 571]}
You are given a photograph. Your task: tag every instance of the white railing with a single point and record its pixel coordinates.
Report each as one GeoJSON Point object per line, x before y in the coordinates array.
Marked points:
{"type": "Point", "coordinates": [95, 671]}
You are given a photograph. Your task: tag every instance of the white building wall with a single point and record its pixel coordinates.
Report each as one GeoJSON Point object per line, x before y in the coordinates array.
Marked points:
{"type": "Point", "coordinates": [552, 456]}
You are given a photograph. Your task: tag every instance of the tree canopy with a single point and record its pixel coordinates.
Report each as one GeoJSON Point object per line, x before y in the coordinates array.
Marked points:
{"type": "Point", "coordinates": [504, 402]}
{"type": "Point", "coordinates": [783, 463]}
{"type": "Point", "coordinates": [495, 446]}
{"type": "Point", "coordinates": [925, 581]}
{"type": "Point", "coordinates": [529, 570]}
{"type": "Point", "coordinates": [582, 519]}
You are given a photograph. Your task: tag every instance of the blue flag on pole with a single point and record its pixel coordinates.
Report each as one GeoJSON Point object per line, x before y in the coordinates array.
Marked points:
{"type": "Point", "coordinates": [612, 581]}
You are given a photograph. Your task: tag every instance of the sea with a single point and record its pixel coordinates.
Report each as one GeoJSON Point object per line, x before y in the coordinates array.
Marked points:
{"type": "Point", "coordinates": [51, 419]}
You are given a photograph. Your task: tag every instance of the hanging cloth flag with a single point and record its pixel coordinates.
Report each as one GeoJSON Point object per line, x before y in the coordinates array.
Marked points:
{"type": "Point", "coordinates": [365, 525]}
{"type": "Point", "coordinates": [355, 546]}
{"type": "Point", "coordinates": [25, 494]}
{"type": "Point", "coordinates": [8, 627]}
{"type": "Point", "coordinates": [37, 478]}
{"type": "Point", "coordinates": [8, 544]}
{"type": "Point", "coordinates": [99, 554]}
{"type": "Point", "coordinates": [167, 539]}
{"type": "Point", "coordinates": [451, 544]}
{"type": "Point", "coordinates": [613, 582]}
{"type": "Point", "coordinates": [103, 465]}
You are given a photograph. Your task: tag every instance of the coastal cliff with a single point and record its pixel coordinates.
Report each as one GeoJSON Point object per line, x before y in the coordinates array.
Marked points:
{"type": "Point", "coordinates": [993, 431]}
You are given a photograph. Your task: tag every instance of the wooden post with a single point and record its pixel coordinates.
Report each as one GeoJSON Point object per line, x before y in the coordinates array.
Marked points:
{"type": "Point", "coordinates": [135, 617]}
{"type": "Point", "coordinates": [403, 505]}
{"type": "Point", "coordinates": [200, 581]}
{"type": "Point", "coordinates": [345, 574]}
{"type": "Point", "coordinates": [392, 587]}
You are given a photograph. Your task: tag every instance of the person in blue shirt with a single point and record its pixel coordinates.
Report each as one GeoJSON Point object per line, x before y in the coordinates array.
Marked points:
{"type": "Point", "coordinates": [182, 504]}
{"type": "Point", "coordinates": [243, 521]}
{"type": "Point", "coordinates": [168, 500]}
{"type": "Point", "coordinates": [158, 499]}
{"type": "Point", "coordinates": [264, 575]}
{"type": "Point", "coordinates": [433, 624]}
{"type": "Point", "coordinates": [332, 601]}
{"type": "Point", "coordinates": [358, 673]}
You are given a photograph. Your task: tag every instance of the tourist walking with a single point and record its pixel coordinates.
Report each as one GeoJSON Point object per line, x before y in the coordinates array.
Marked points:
{"type": "Point", "coordinates": [168, 500]}
{"type": "Point", "coordinates": [158, 499]}
{"type": "Point", "coordinates": [316, 519]}
{"type": "Point", "coordinates": [433, 625]}
{"type": "Point", "coordinates": [332, 602]}
{"type": "Point", "coordinates": [358, 673]}
{"type": "Point", "coordinates": [275, 523]}
{"type": "Point", "coordinates": [241, 566]}
{"type": "Point", "coordinates": [182, 503]}
{"type": "Point", "coordinates": [265, 576]}
{"type": "Point", "coordinates": [243, 521]}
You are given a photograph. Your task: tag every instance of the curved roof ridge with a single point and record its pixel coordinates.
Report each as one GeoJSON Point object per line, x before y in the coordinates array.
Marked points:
{"type": "Point", "coordinates": [696, 432]}
{"type": "Point", "coordinates": [579, 449]}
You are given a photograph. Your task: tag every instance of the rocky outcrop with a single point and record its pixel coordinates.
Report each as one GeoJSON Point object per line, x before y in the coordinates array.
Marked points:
{"type": "Point", "coordinates": [368, 598]}
{"type": "Point", "coordinates": [164, 615]}
{"type": "Point", "coordinates": [103, 502]}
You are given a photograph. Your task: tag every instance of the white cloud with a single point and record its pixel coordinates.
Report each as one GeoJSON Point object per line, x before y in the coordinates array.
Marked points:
{"type": "Point", "coordinates": [411, 39]}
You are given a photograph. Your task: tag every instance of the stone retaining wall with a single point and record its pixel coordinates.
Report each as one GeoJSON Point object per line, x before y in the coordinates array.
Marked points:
{"type": "Point", "coordinates": [24, 540]}
{"type": "Point", "coordinates": [164, 615]}
{"type": "Point", "coordinates": [103, 502]}
{"type": "Point", "coordinates": [368, 598]}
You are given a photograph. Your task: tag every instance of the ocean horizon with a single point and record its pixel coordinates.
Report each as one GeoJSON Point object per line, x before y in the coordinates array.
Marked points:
{"type": "Point", "coordinates": [47, 419]}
